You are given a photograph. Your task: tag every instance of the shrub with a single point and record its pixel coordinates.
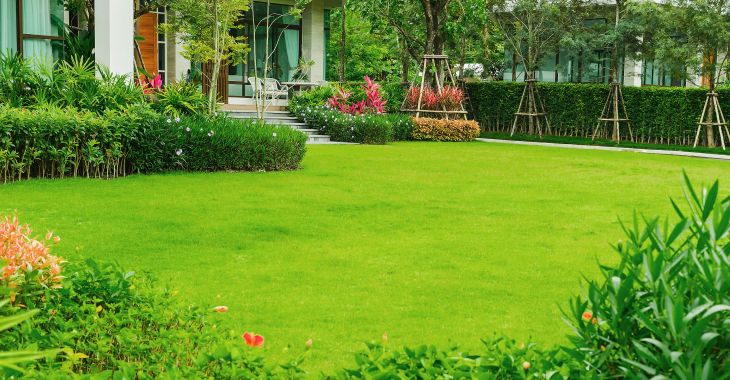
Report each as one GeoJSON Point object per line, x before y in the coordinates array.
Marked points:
{"type": "Point", "coordinates": [229, 144]}
{"type": "Point", "coordinates": [659, 115]}
{"type": "Point", "coordinates": [28, 266]}
{"type": "Point", "coordinates": [365, 129]}
{"type": "Point", "coordinates": [502, 359]}
{"type": "Point", "coordinates": [449, 99]}
{"type": "Point", "coordinates": [55, 143]}
{"type": "Point", "coordinates": [663, 310]}
{"type": "Point", "coordinates": [444, 130]}
{"type": "Point", "coordinates": [114, 323]}
{"type": "Point", "coordinates": [180, 99]}
{"type": "Point", "coordinates": [372, 103]}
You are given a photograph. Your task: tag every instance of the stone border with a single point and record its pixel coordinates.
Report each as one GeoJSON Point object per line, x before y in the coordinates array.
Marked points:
{"type": "Point", "coordinates": [679, 153]}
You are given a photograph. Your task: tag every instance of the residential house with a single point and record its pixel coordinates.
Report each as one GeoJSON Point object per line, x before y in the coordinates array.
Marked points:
{"type": "Point", "coordinates": [34, 28]}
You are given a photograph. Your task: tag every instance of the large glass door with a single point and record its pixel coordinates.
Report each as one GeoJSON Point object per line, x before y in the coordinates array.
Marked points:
{"type": "Point", "coordinates": [276, 52]}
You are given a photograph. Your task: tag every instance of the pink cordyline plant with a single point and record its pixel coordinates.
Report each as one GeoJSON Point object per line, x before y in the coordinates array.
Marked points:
{"type": "Point", "coordinates": [21, 254]}
{"type": "Point", "coordinates": [373, 102]}
{"type": "Point", "coordinates": [152, 85]}
{"type": "Point", "coordinates": [451, 98]}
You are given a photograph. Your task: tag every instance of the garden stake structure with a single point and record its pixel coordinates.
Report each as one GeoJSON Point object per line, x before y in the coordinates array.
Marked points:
{"type": "Point", "coordinates": [614, 113]}
{"type": "Point", "coordinates": [531, 108]}
{"type": "Point", "coordinates": [712, 116]}
{"type": "Point", "coordinates": [432, 62]}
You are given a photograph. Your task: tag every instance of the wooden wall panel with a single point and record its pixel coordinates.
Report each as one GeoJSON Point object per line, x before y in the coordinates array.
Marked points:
{"type": "Point", "coordinates": [147, 28]}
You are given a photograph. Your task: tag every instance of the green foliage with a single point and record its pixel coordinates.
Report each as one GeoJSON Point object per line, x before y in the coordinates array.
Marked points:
{"type": "Point", "coordinates": [364, 129]}
{"type": "Point", "coordinates": [393, 93]}
{"type": "Point", "coordinates": [180, 98]}
{"type": "Point", "coordinates": [663, 310]}
{"type": "Point", "coordinates": [114, 323]}
{"type": "Point", "coordinates": [73, 83]}
{"type": "Point", "coordinates": [56, 143]}
{"type": "Point", "coordinates": [10, 360]}
{"type": "Point", "coordinates": [502, 359]}
{"type": "Point", "coordinates": [662, 115]}
{"type": "Point", "coordinates": [429, 129]}
{"type": "Point", "coordinates": [369, 50]}
{"type": "Point", "coordinates": [229, 144]}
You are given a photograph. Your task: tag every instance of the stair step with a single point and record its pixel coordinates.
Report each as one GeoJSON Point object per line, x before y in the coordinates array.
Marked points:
{"type": "Point", "coordinates": [284, 119]}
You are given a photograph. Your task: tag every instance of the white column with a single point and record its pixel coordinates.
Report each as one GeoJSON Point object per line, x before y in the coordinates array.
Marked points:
{"type": "Point", "coordinates": [633, 70]}
{"type": "Point", "coordinates": [313, 38]}
{"type": "Point", "coordinates": [114, 35]}
{"type": "Point", "coordinates": [181, 64]}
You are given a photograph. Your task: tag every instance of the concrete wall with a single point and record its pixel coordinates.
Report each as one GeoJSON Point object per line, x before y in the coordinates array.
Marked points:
{"type": "Point", "coordinates": [313, 38]}
{"type": "Point", "coordinates": [114, 36]}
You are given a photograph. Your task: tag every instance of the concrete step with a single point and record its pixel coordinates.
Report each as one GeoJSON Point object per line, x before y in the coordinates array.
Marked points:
{"type": "Point", "coordinates": [318, 139]}
{"type": "Point", "coordinates": [283, 118]}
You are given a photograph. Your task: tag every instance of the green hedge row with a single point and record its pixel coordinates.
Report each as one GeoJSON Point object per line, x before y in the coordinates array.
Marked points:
{"type": "Point", "coordinates": [662, 115]}
{"type": "Point", "coordinates": [61, 142]}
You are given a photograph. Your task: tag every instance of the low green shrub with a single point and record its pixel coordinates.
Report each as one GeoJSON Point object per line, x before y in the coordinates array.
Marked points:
{"type": "Point", "coordinates": [112, 323]}
{"type": "Point", "coordinates": [180, 99]}
{"type": "Point", "coordinates": [56, 143]}
{"type": "Point", "coordinates": [659, 115]}
{"type": "Point", "coordinates": [663, 310]}
{"type": "Point", "coordinates": [428, 129]}
{"type": "Point", "coordinates": [501, 359]}
{"type": "Point", "coordinates": [364, 129]}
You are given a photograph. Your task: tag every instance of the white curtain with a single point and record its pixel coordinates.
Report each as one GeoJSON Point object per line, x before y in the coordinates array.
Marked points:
{"type": "Point", "coordinates": [37, 20]}
{"type": "Point", "coordinates": [8, 33]}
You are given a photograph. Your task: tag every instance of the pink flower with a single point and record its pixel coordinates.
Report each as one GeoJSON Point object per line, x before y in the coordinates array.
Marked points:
{"type": "Point", "coordinates": [156, 82]}
{"type": "Point", "coordinates": [221, 309]}
{"type": "Point", "coordinates": [253, 340]}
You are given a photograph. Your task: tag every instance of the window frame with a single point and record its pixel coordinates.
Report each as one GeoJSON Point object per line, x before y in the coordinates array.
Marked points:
{"type": "Point", "coordinates": [21, 35]}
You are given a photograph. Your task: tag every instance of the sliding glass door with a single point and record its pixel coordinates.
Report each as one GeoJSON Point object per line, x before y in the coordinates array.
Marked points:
{"type": "Point", "coordinates": [275, 49]}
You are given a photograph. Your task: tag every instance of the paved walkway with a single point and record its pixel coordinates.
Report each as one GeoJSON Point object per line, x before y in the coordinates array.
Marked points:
{"type": "Point", "coordinates": [614, 149]}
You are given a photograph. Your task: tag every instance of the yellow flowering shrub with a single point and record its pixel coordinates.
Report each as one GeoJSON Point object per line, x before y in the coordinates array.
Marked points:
{"type": "Point", "coordinates": [427, 129]}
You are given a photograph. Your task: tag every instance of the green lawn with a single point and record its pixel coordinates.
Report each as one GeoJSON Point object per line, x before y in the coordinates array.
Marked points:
{"type": "Point", "coordinates": [433, 243]}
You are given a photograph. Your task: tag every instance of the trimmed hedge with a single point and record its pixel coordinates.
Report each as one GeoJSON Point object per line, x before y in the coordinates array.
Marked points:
{"type": "Point", "coordinates": [56, 143]}
{"type": "Point", "coordinates": [429, 129]}
{"type": "Point", "coordinates": [659, 115]}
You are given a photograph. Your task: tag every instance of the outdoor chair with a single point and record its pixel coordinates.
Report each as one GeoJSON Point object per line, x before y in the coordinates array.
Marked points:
{"type": "Point", "coordinates": [269, 87]}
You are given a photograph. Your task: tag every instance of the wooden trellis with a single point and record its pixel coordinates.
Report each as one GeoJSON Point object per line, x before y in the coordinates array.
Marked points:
{"type": "Point", "coordinates": [532, 109]}
{"type": "Point", "coordinates": [614, 113]}
{"type": "Point", "coordinates": [431, 62]}
{"type": "Point", "coordinates": [713, 111]}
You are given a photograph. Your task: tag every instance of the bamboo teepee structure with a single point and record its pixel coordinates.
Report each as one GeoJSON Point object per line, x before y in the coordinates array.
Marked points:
{"type": "Point", "coordinates": [712, 117]}
{"type": "Point", "coordinates": [430, 69]}
{"type": "Point", "coordinates": [531, 111]}
{"type": "Point", "coordinates": [614, 114]}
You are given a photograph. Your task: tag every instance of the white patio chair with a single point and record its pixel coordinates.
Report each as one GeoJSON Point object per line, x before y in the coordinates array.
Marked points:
{"type": "Point", "coordinates": [257, 86]}
{"type": "Point", "coordinates": [275, 90]}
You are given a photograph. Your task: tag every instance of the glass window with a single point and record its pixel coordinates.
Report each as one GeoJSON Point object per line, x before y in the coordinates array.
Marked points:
{"type": "Point", "coordinates": [161, 13]}
{"type": "Point", "coordinates": [42, 30]}
{"type": "Point", "coordinates": [8, 27]}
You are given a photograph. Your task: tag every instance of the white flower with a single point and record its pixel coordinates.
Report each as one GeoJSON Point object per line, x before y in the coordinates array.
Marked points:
{"type": "Point", "coordinates": [177, 119]}
{"type": "Point", "coordinates": [274, 134]}
{"type": "Point", "coordinates": [187, 129]}
{"type": "Point", "coordinates": [211, 133]}
{"type": "Point", "coordinates": [178, 152]}
{"type": "Point", "coordinates": [169, 121]}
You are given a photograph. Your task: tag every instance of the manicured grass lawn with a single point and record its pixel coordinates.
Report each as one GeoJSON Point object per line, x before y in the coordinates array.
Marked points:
{"type": "Point", "coordinates": [433, 243]}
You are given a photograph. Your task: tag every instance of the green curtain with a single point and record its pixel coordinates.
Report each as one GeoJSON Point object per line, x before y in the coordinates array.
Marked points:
{"type": "Point", "coordinates": [290, 56]}
{"type": "Point", "coordinates": [8, 32]}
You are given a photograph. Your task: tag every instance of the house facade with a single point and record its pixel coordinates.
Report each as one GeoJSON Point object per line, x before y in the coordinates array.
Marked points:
{"type": "Point", "coordinates": [34, 28]}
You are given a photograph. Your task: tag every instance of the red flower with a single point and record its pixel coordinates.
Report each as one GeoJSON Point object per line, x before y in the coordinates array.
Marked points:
{"type": "Point", "coordinates": [220, 309]}
{"type": "Point", "coordinates": [253, 340]}
{"type": "Point", "coordinates": [587, 316]}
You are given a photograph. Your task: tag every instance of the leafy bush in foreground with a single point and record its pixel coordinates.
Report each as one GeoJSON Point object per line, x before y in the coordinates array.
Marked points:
{"type": "Point", "coordinates": [109, 322]}
{"type": "Point", "coordinates": [664, 310]}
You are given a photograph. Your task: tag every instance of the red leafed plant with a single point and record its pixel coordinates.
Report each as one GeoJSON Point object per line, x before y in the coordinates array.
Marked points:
{"type": "Point", "coordinates": [152, 85]}
{"type": "Point", "coordinates": [26, 262]}
{"type": "Point", "coordinates": [451, 98]}
{"type": "Point", "coordinates": [373, 102]}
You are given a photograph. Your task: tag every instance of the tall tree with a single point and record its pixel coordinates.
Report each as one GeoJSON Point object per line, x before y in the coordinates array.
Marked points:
{"type": "Point", "coordinates": [694, 39]}
{"type": "Point", "coordinates": [343, 39]}
{"type": "Point", "coordinates": [204, 28]}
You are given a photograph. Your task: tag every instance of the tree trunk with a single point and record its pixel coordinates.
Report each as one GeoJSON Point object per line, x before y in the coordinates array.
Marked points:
{"type": "Point", "coordinates": [709, 128]}
{"type": "Point", "coordinates": [343, 40]}
{"type": "Point", "coordinates": [213, 93]}
{"type": "Point", "coordinates": [405, 62]}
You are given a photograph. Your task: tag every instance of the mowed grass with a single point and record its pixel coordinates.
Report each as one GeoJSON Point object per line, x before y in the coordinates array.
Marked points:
{"type": "Point", "coordinates": [431, 243]}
